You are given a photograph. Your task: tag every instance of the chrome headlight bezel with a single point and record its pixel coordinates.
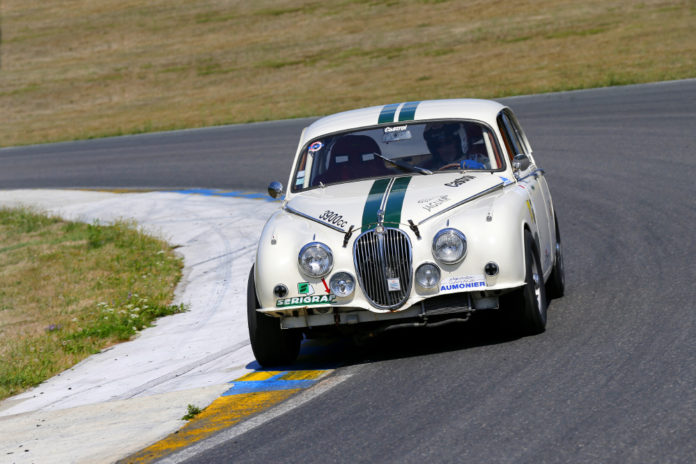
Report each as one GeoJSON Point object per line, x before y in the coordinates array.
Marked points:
{"type": "Point", "coordinates": [456, 240]}
{"type": "Point", "coordinates": [342, 284]}
{"type": "Point", "coordinates": [322, 253]}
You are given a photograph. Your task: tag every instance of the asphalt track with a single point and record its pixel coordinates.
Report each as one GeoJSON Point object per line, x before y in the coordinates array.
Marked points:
{"type": "Point", "coordinates": [613, 379]}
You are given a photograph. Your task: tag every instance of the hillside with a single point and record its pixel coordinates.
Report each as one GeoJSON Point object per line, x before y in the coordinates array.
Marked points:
{"type": "Point", "coordinates": [79, 69]}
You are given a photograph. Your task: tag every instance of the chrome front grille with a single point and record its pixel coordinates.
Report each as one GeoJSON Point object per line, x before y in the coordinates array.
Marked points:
{"type": "Point", "coordinates": [383, 263]}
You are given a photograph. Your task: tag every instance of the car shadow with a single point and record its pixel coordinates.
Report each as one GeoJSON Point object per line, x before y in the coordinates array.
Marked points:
{"type": "Point", "coordinates": [485, 328]}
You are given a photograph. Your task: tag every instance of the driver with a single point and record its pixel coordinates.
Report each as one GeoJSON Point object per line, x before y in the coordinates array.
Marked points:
{"type": "Point", "coordinates": [449, 144]}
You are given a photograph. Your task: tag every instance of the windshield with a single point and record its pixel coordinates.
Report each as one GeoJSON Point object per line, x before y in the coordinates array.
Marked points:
{"type": "Point", "coordinates": [422, 148]}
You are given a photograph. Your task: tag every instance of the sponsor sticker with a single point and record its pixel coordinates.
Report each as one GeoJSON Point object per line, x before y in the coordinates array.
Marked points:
{"type": "Point", "coordinates": [429, 204]}
{"type": "Point", "coordinates": [395, 129]}
{"type": "Point", "coordinates": [305, 300]}
{"type": "Point", "coordinates": [393, 284]}
{"type": "Point", "coordinates": [531, 211]}
{"type": "Point", "coordinates": [316, 146]}
{"type": "Point", "coordinates": [457, 284]}
{"type": "Point", "coordinates": [300, 178]}
{"type": "Point", "coordinates": [396, 133]}
{"type": "Point", "coordinates": [459, 181]}
{"type": "Point", "coordinates": [305, 288]}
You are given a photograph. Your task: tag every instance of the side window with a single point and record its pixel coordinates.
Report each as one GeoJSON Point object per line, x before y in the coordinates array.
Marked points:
{"type": "Point", "coordinates": [512, 142]}
{"type": "Point", "coordinates": [519, 132]}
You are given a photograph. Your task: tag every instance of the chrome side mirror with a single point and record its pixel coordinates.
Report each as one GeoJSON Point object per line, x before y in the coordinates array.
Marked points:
{"type": "Point", "coordinates": [520, 162]}
{"type": "Point", "coordinates": [275, 189]}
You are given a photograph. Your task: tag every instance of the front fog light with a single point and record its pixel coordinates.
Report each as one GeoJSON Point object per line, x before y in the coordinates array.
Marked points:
{"type": "Point", "coordinates": [342, 284]}
{"type": "Point", "coordinates": [428, 275]}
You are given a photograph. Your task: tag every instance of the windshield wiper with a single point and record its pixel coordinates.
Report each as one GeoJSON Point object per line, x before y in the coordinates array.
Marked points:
{"type": "Point", "coordinates": [408, 167]}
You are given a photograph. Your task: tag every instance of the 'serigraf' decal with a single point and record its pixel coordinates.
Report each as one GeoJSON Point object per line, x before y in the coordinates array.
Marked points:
{"type": "Point", "coordinates": [305, 300]}
{"type": "Point", "coordinates": [333, 218]}
{"type": "Point", "coordinates": [460, 181]}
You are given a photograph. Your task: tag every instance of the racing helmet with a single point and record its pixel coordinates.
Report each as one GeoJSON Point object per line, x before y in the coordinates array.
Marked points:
{"type": "Point", "coordinates": [441, 133]}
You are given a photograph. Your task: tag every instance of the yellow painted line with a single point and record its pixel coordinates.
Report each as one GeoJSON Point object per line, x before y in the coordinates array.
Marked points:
{"type": "Point", "coordinates": [262, 375]}
{"type": "Point", "coordinates": [222, 413]}
{"type": "Point", "coordinates": [303, 375]}
{"type": "Point", "coordinates": [230, 409]}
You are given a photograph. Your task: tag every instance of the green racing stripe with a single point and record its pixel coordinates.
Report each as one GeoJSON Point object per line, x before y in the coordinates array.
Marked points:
{"type": "Point", "coordinates": [387, 113]}
{"type": "Point", "coordinates": [395, 202]}
{"type": "Point", "coordinates": [408, 111]}
{"type": "Point", "coordinates": [374, 200]}
{"type": "Point", "coordinates": [392, 215]}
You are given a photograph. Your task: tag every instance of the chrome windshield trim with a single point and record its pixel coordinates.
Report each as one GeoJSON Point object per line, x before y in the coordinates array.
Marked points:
{"type": "Point", "coordinates": [307, 216]}
{"type": "Point", "coordinates": [466, 200]}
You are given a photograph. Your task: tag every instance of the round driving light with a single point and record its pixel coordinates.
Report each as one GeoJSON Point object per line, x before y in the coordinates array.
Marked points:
{"type": "Point", "coordinates": [280, 291]}
{"type": "Point", "coordinates": [315, 260]}
{"type": "Point", "coordinates": [491, 269]}
{"type": "Point", "coordinates": [449, 246]}
{"type": "Point", "coordinates": [342, 284]}
{"type": "Point", "coordinates": [428, 275]}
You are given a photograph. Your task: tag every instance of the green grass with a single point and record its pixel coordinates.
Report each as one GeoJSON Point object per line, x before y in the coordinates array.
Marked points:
{"type": "Point", "coordinates": [191, 412]}
{"type": "Point", "coordinates": [74, 70]}
{"type": "Point", "coordinates": [68, 290]}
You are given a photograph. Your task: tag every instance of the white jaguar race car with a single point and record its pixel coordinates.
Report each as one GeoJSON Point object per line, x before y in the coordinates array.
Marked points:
{"type": "Point", "coordinates": [408, 214]}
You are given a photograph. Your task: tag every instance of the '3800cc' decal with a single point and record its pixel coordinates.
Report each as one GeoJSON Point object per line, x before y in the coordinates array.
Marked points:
{"type": "Point", "coordinates": [333, 218]}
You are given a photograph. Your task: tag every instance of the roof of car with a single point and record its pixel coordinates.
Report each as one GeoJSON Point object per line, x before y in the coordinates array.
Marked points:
{"type": "Point", "coordinates": [483, 110]}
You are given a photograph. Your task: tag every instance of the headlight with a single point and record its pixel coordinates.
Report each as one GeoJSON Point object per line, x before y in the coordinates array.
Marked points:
{"type": "Point", "coordinates": [428, 275]}
{"type": "Point", "coordinates": [315, 259]}
{"type": "Point", "coordinates": [449, 246]}
{"type": "Point", "coordinates": [342, 284]}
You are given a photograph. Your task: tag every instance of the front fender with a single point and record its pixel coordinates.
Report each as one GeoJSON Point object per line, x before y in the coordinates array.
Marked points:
{"type": "Point", "coordinates": [494, 227]}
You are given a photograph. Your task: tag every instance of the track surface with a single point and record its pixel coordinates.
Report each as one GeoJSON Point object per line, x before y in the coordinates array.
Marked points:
{"type": "Point", "coordinates": [613, 379]}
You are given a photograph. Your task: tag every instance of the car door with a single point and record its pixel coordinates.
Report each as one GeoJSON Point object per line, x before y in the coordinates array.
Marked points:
{"type": "Point", "coordinates": [533, 181]}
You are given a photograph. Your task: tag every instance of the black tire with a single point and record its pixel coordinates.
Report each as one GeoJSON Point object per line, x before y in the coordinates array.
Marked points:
{"type": "Point", "coordinates": [271, 345]}
{"type": "Point", "coordinates": [528, 304]}
{"type": "Point", "coordinates": [555, 286]}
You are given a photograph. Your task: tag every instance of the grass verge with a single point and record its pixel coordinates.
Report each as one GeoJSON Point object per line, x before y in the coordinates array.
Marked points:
{"type": "Point", "coordinates": [68, 290]}
{"type": "Point", "coordinates": [76, 69]}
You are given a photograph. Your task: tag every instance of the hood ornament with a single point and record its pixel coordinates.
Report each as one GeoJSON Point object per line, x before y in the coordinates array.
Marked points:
{"type": "Point", "coordinates": [380, 222]}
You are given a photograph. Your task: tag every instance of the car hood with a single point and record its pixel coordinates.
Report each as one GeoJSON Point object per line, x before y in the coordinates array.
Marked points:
{"type": "Point", "coordinates": [400, 199]}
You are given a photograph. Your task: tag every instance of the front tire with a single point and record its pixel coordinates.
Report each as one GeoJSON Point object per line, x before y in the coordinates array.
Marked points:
{"type": "Point", "coordinates": [272, 346]}
{"type": "Point", "coordinates": [555, 287]}
{"type": "Point", "coordinates": [529, 302]}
